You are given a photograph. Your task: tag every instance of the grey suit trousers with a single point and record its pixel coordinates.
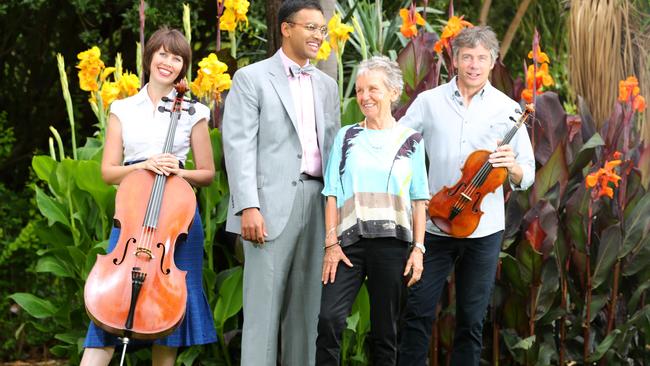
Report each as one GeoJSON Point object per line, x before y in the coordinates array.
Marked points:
{"type": "Point", "coordinates": [282, 286]}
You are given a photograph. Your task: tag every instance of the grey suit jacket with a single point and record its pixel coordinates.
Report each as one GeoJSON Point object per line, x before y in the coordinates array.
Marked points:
{"type": "Point", "coordinates": [261, 145]}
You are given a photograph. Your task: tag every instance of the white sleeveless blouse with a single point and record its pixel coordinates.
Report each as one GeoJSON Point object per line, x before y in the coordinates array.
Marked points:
{"type": "Point", "coordinates": [144, 128]}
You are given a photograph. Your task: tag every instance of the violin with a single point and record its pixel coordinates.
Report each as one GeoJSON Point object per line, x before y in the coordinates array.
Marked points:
{"type": "Point", "coordinates": [136, 290]}
{"type": "Point", "coordinates": [456, 211]}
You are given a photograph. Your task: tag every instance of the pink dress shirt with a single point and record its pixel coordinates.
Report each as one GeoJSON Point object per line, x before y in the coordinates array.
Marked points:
{"type": "Point", "coordinates": [303, 100]}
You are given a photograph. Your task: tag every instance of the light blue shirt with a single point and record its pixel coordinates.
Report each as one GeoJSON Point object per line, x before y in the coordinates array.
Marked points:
{"type": "Point", "coordinates": [374, 175]}
{"type": "Point", "coordinates": [452, 131]}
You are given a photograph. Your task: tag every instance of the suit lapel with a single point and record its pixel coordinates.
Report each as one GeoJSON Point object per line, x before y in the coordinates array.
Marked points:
{"type": "Point", "coordinates": [280, 83]}
{"type": "Point", "coordinates": [318, 110]}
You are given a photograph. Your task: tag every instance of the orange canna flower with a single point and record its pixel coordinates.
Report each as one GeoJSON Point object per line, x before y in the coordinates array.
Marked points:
{"type": "Point", "coordinates": [443, 43]}
{"type": "Point", "coordinates": [542, 77]}
{"type": "Point", "coordinates": [454, 25]}
{"type": "Point", "coordinates": [527, 94]}
{"type": "Point", "coordinates": [541, 56]}
{"type": "Point", "coordinates": [410, 20]}
{"type": "Point", "coordinates": [599, 180]}
{"type": "Point", "coordinates": [639, 103]}
{"type": "Point", "coordinates": [628, 90]}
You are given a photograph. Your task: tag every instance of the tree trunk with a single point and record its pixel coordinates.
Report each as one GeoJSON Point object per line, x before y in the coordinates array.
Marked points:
{"type": "Point", "coordinates": [485, 10]}
{"type": "Point", "coordinates": [328, 66]}
{"type": "Point", "coordinates": [510, 34]}
{"type": "Point", "coordinates": [274, 36]}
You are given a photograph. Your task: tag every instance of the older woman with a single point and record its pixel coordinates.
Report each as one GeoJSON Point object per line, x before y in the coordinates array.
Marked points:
{"type": "Point", "coordinates": [376, 189]}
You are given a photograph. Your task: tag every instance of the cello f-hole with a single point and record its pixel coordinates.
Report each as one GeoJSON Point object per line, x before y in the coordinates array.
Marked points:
{"type": "Point", "coordinates": [162, 258]}
{"type": "Point", "coordinates": [126, 247]}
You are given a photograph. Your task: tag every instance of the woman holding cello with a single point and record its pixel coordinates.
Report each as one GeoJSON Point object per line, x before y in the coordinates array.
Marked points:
{"type": "Point", "coordinates": [134, 139]}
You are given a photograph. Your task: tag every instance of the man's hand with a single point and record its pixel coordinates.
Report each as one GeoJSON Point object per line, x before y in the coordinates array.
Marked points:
{"type": "Point", "coordinates": [253, 227]}
{"type": "Point", "coordinates": [505, 157]}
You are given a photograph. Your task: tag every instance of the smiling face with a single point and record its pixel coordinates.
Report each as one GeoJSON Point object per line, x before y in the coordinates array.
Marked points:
{"type": "Point", "coordinates": [374, 96]}
{"type": "Point", "coordinates": [165, 67]}
{"type": "Point", "coordinates": [473, 65]}
{"type": "Point", "coordinates": [299, 43]}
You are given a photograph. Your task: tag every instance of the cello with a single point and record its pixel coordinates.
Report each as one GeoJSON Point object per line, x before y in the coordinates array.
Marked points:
{"type": "Point", "coordinates": [136, 290]}
{"type": "Point", "coordinates": [456, 211]}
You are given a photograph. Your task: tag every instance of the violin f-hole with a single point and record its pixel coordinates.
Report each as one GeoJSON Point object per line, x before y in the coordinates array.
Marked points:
{"type": "Point", "coordinates": [457, 188]}
{"type": "Point", "coordinates": [476, 207]}
{"type": "Point", "coordinates": [126, 247]}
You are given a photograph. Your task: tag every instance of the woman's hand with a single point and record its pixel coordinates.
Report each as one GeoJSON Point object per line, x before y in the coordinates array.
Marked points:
{"type": "Point", "coordinates": [164, 164]}
{"type": "Point", "coordinates": [415, 265]}
{"type": "Point", "coordinates": [333, 255]}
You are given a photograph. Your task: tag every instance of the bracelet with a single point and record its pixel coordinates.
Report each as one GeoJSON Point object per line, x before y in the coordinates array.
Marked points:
{"type": "Point", "coordinates": [331, 245]}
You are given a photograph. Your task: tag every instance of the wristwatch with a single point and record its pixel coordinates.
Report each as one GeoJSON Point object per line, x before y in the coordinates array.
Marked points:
{"type": "Point", "coordinates": [420, 246]}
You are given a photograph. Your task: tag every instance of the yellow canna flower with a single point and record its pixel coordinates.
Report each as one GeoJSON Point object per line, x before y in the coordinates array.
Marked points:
{"type": "Point", "coordinates": [212, 65]}
{"type": "Point", "coordinates": [88, 81]}
{"type": "Point", "coordinates": [129, 84]}
{"type": "Point", "coordinates": [110, 92]}
{"type": "Point", "coordinates": [228, 21]}
{"type": "Point", "coordinates": [106, 73]}
{"type": "Point", "coordinates": [339, 32]}
{"type": "Point", "coordinates": [90, 67]}
{"type": "Point", "coordinates": [211, 78]}
{"type": "Point", "coordinates": [240, 8]}
{"type": "Point", "coordinates": [234, 13]}
{"type": "Point", "coordinates": [324, 51]}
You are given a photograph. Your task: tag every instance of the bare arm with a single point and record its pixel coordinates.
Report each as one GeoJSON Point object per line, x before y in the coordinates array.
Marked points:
{"type": "Point", "coordinates": [203, 171]}
{"type": "Point", "coordinates": [415, 261]}
{"type": "Point", "coordinates": [333, 251]}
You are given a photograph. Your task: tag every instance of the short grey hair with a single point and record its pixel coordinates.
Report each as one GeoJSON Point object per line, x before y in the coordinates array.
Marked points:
{"type": "Point", "coordinates": [473, 36]}
{"type": "Point", "coordinates": [392, 72]}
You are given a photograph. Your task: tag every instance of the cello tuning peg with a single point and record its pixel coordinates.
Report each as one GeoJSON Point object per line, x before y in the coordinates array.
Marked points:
{"type": "Point", "coordinates": [191, 110]}
{"type": "Point", "coordinates": [190, 100]}
{"type": "Point", "coordinates": [165, 99]}
{"type": "Point", "coordinates": [162, 109]}
{"type": "Point", "coordinates": [513, 119]}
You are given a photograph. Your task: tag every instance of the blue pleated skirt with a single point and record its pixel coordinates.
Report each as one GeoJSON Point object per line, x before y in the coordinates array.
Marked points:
{"type": "Point", "coordinates": [198, 325]}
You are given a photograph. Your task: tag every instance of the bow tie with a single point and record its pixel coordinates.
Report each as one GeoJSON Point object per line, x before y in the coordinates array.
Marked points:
{"type": "Point", "coordinates": [296, 70]}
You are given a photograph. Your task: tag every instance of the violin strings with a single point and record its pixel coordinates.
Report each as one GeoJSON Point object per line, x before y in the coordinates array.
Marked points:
{"type": "Point", "coordinates": [485, 170]}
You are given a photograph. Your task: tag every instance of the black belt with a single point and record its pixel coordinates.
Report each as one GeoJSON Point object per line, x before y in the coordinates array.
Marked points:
{"type": "Point", "coordinates": [305, 176]}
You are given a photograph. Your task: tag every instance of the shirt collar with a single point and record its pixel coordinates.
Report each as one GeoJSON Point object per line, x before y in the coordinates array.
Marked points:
{"type": "Point", "coordinates": [143, 96]}
{"type": "Point", "coordinates": [287, 62]}
{"type": "Point", "coordinates": [455, 92]}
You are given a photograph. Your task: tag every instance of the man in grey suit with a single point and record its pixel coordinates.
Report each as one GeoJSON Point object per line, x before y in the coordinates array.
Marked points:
{"type": "Point", "coordinates": [280, 119]}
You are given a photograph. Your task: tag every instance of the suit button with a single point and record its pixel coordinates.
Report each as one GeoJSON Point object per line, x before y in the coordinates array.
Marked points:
{"type": "Point", "coordinates": [299, 156]}
{"type": "Point", "coordinates": [294, 183]}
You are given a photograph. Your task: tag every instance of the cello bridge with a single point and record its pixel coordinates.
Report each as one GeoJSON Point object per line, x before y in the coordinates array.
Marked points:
{"type": "Point", "coordinates": [144, 251]}
{"type": "Point", "coordinates": [466, 196]}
